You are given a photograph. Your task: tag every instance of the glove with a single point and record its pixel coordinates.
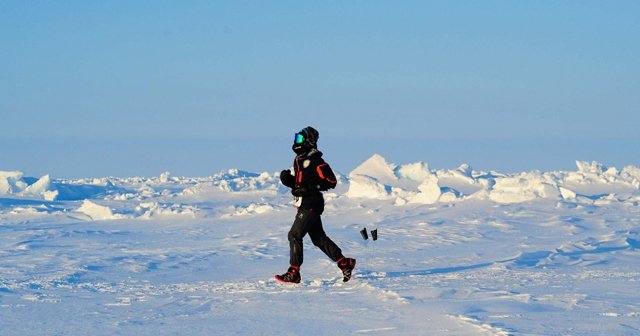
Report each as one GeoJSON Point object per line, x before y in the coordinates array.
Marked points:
{"type": "Point", "coordinates": [299, 191]}
{"type": "Point", "coordinates": [286, 178]}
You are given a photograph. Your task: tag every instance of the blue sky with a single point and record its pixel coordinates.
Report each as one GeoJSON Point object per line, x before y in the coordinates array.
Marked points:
{"type": "Point", "coordinates": [140, 87]}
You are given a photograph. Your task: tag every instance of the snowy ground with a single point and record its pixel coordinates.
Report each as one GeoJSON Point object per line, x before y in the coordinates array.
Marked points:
{"type": "Point", "coordinates": [459, 252]}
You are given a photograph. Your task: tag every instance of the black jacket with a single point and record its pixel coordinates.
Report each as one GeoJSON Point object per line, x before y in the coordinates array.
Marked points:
{"type": "Point", "coordinates": [312, 176]}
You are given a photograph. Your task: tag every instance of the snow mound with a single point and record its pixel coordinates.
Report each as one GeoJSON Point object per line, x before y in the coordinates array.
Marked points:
{"type": "Point", "coordinates": [429, 191]}
{"type": "Point", "coordinates": [377, 168]}
{"type": "Point", "coordinates": [264, 181]}
{"type": "Point", "coordinates": [524, 187]}
{"type": "Point", "coordinates": [151, 210]}
{"type": "Point", "coordinates": [11, 182]}
{"type": "Point", "coordinates": [418, 171]}
{"type": "Point", "coordinates": [14, 183]}
{"type": "Point", "coordinates": [235, 180]}
{"type": "Point", "coordinates": [250, 210]}
{"type": "Point", "coordinates": [366, 187]}
{"type": "Point", "coordinates": [97, 212]}
{"type": "Point", "coordinates": [96, 189]}
{"type": "Point", "coordinates": [410, 183]}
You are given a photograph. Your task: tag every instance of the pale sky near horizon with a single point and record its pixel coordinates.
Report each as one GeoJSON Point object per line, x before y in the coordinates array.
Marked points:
{"type": "Point", "coordinates": [140, 87]}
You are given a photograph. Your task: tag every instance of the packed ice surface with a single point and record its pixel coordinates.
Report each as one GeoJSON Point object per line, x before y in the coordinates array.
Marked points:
{"type": "Point", "coordinates": [460, 252]}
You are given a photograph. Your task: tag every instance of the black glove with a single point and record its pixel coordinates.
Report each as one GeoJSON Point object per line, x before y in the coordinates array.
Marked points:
{"type": "Point", "coordinates": [286, 178]}
{"type": "Point", "coordinates": [299, 191]}
{"type": "Point", "coordinates": [306, 190]}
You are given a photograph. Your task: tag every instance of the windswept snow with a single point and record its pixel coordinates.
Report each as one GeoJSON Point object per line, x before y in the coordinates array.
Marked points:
{"type": "Point", "coordinates": [460, 252]}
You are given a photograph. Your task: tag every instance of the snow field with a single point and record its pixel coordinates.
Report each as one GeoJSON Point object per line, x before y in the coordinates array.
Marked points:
{"type": "Point", "coordinates": [460, 252]}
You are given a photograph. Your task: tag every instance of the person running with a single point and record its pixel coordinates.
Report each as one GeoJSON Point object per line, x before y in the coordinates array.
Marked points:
{"type": "Point", "coordinates": [312, 175]}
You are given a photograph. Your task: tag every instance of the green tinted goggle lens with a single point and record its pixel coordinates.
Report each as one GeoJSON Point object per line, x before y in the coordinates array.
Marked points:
{"type": "Point", "coordinates": [299, 138]}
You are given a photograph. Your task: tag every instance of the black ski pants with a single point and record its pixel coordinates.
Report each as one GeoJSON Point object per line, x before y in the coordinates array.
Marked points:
{"type": "Point", "coordinates": [308, 221]}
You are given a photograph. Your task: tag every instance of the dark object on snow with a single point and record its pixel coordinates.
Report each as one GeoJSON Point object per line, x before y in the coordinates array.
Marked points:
{"type": "Point", "coordinates": [364, 234]}
{"type": "Point", "coordinates": [374, 234]}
